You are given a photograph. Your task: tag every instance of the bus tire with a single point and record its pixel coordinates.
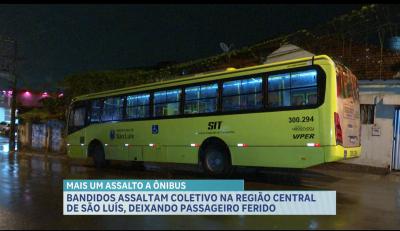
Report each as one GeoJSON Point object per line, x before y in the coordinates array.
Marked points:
{"type": "Point", "coordinates": [98, 155]}
{"type": "Point", "coordinates": [216, 161]}
{"type": "Point", "coordinates": [138, 165]}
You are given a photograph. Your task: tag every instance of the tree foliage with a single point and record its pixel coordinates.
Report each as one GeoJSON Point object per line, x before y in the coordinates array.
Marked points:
{"type": "Point", "coordinates": [53, 108]}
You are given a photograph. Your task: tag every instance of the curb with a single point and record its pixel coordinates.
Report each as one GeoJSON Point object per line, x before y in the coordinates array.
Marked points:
{"type": "Point", "coordinates": [43, 155]}
{"type": "Point", "coordinates": [350, 167]}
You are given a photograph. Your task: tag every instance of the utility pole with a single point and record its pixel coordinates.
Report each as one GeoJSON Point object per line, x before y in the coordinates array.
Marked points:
{"type": "Point", "coordinates": [10, 58]}
{"type": "Point", "coordinates": [13, 100]}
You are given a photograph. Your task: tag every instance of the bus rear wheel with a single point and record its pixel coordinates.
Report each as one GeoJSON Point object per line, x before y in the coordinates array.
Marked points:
{"type": "Point", "coordinates": [98, 155]}
{"type": "Point", "coordinates": [216, 161]}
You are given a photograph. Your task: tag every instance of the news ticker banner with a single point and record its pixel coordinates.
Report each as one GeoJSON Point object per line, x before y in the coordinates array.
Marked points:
{"type": "Point", "coordinates": [188, 197]}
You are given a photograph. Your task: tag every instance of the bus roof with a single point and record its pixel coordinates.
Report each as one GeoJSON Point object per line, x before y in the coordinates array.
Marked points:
{"type": "Point", "coordinates": [230, 72]}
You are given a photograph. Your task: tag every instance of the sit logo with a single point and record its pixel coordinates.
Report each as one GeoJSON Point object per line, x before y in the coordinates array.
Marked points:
{"type": "Point", "coordinates": [214, 125]}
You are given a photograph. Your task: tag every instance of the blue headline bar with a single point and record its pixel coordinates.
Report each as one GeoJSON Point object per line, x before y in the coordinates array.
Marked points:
{"type": "Point", "coordinates": [153, 185]}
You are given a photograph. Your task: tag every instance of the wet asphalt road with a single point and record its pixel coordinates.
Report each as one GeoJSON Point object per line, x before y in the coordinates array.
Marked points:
{"type": "Point", "coordinates": [31, 197]}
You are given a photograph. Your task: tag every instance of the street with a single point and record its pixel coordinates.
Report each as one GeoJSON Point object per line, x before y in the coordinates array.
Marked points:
{"type": "Point", "coordinates": [31, 197]}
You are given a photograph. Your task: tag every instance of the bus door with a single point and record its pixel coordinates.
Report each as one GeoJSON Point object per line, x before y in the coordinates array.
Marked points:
{"type": "Point", "coordinates": [136, 153]}
{"type": "Point", "coordinates": [77, 120]}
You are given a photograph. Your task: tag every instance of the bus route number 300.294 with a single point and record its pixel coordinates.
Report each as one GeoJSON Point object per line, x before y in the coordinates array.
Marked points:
{"type": "Point", "coordinates": [301, 119]}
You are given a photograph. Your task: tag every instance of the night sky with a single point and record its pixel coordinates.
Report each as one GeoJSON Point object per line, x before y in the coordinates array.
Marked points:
{"type": "Point", "coordinates": [57, 40]}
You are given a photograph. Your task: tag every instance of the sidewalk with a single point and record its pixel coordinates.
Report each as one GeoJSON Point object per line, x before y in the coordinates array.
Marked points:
{"type": "Point", "coordinates": [60, 155]}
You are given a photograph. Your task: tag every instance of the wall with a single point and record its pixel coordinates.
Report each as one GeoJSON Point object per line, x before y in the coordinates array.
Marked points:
{"type": "Point", "coordinates": [377, 150]}
{"type": "Point", "coordinates": [56, 137]}
{"type": "Point", "coordinates": [43, 137]}
{"type": "Point", "coordinates": [24, 135]}
{"type": "Point", "coordinates": [39, 136]}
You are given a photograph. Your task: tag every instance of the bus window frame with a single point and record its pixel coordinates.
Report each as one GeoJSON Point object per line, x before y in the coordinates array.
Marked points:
{"type": "Point", "coordinates": [201, 84]}
{"type": "Point", "coordinates": [125, 117]}
{"type": "Point", "coordinates": [179, 87]}
{"type": "Point", "coordinates": [321, 90]}
{"type": "Point", "coordinates": [262, 76]}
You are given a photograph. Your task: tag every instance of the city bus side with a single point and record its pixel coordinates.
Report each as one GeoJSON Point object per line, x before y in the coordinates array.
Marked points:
{"type": "Point", "coordinates": [303, 137]}
{"type": "Point", "coordinates": [267, 139]}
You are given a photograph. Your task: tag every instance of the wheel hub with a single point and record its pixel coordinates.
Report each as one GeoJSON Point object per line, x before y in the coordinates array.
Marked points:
{"type": "Point", "coordinates": [214, 161]}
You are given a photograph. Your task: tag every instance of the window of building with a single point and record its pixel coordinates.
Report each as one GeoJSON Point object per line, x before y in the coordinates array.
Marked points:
{"type": "Point", "coordinates": [137, 106]}
{"type": "Point", "coordinates": [166, 103]}
{"type": "Point", "coordinates": [95, 112]}
{"type": "Point", "coordinates": [245, 94]}
{"type": "Point", "coordinates": [367, 113]}
{"type": "Point", "coordinates": [201, 99]}
{"type": "Point", "coordinates": [292, 89]}
{"type": "Point", "coordinates": [113, 109]}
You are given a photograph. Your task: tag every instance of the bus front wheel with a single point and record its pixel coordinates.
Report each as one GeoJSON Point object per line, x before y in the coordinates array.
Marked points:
{"type": "Point", "coordinates": [216, 161]}
{"type": "Point", "coordinates": [98, 155]}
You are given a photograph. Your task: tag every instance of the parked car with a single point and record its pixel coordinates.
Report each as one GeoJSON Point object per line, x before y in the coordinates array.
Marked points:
{"type": "Point", "coordinates": [3, 127]}
{"type": "Point", "coordinates": [7, 130]}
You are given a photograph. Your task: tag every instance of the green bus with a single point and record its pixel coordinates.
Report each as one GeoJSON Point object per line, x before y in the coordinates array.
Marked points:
{"type": "Point", "coordinates": [291, 114]}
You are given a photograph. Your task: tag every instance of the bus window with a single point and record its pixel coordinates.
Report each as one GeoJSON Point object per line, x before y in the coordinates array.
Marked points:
{"type": "Point", "coordinates": [243, 94]}
{"type": "Point", "coordinates": [137, 106]}
{"type": "Point", "coordinates": [251, 93]}
{"type": "Point", "coordinates": [292, 89]}
{"type": "Point", "coordinates": [166, 103]}
{"type": "Point", "coordinates": [304, 87]}
{"type": "Point", "coordinates": [76, 118]}
{"type": "Point", "coordinates": [312, 98]}
{"type": "Point", "coordinates": [278, 82]}
{"type": "Point", "coordinates": [303, 79]}
{"type": "Point", "coordinates": [279, 98]}
{"type": "Point", "coordinates": [79, 117]}
{"type": "Point", "coordinates": [95, 111]}
{"type": "Point", "coordinates": [278, 93]}
{"type": "Point", "coordinates": [201, 99]}
{"type": "Point", "coordinates": [113, 109]}
{"type": "Point", "coordinates": [304, 96]}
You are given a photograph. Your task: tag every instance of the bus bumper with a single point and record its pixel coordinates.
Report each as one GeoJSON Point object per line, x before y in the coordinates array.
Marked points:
{"type": "Point", "coordinates": [336, 153]}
